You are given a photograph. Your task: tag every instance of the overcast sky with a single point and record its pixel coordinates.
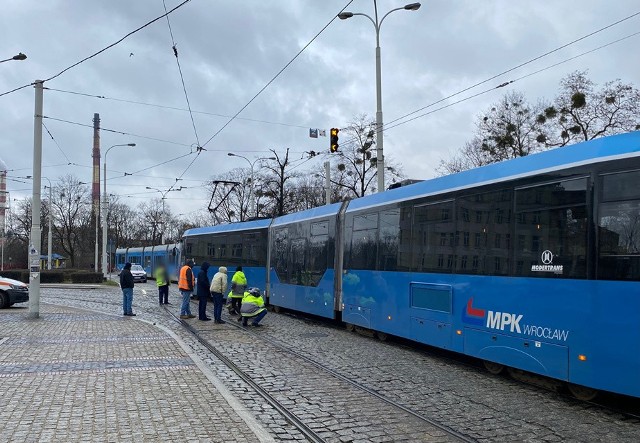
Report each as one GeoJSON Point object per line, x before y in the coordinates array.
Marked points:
{"type": "Point", "coordinates": [229, 50]}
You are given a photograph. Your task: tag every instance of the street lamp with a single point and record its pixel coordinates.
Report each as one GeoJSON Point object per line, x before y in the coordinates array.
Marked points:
{"type": "Point", "coordinates": [379, 130]}
{"type": "Point", "coordinates": [105, 210]}
{"type": "Point", "coordinates": [164, 194]}
{"type": "Point", "coordinates": [252, 195]}
{"type": "Point", "coordinates": [20, 56]}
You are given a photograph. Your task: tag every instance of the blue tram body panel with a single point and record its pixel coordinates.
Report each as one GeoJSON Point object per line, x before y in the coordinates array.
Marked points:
{"type": "Point", "coordinates": [316, 300]}
{"type": "Point", "coordinates": [296, 283]}
{"type": "Point", "coordinates": [534, 324]}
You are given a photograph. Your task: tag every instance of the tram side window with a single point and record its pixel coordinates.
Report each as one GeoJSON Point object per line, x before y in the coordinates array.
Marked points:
{"type": "Point", "coordinates": [317, 262]}
{"type": "Point", "coordinates": [254, 252]}
{"type": "Point", "coordinates": [389, 240]}
{"type": "Point", "coordinates": [280, 253]}
{"type": "Point", "coordinates": [364, 242]}
{"type": "Point", "coordinates": [433, 229]}
{"type": "Point", "coordinates": [619, 227]}
{"type": "Point", "coordinates": [298, 274]}
{"type": "Point", "coordinates": [554, 245]}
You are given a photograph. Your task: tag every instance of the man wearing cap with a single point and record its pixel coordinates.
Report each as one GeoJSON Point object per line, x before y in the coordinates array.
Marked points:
{"type": "Point", "coordinates": [185, 285]}
{"type": "Point", "coordinates": [126, 284]}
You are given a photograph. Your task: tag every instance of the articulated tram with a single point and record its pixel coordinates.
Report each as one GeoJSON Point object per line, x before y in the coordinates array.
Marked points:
{"type": "Point", "coordinates": [532, 263]}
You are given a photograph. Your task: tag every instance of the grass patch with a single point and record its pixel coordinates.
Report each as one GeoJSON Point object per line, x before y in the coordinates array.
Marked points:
{"type": "Point", "coordinates": [110, 283]}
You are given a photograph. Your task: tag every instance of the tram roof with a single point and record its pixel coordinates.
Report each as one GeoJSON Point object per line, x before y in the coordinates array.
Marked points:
{"type": "Point", "coordinates": [229, 227]}
{"type": "Point", "coordinates": [593, 151]}
{"type": "Point", "coordinates": [320, 211]}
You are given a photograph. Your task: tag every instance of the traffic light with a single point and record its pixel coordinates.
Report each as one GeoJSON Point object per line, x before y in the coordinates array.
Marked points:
{"type": "Point", "coordinates": [333, 146]}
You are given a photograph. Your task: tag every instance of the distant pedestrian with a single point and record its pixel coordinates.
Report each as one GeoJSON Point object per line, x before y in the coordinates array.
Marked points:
{"type": "Point", "coordinates": [238, 287]}
{"type": "Point", "coordinates": [126, 284]}
{"type": "Point", "coordinates": [185, 285]}
{"type": "Point", "coordinates": [162, 280]}
{"type": "Point", "coordinates": [253, 307]}
{"type": "Point", "coordinates": [218, 287]}
{"type": "Point", "coordinates": [203, 291]}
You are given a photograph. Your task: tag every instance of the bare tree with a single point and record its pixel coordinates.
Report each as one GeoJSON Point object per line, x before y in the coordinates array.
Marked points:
{"type": "Point", "coordinates": [355, 168]}
{"type": "Point", "coordinates": [71, 208]}
{"type": "Point", "coordinates": [582, 112]}
{"type": "Point", "coordinates": [275, 185]}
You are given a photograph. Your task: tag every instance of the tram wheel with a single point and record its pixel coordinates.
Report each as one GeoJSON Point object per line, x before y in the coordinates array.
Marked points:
{"type": "Point", "coordinates": [276, 309]}
{"type": "Point", "coordinates": [582, 393]}
{"type": "Point", "coordinates": [382, 336]}
{"type": "Point", "coordinates": [493, 367]}
{"type": "Point", "coordinates": [350, 327]}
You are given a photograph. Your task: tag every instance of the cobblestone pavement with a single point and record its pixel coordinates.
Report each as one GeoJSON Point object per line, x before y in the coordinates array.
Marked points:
{"type": "Point", "coordinates": [468, 400]}
{"type": "Point", "coordinates": [82, 376]}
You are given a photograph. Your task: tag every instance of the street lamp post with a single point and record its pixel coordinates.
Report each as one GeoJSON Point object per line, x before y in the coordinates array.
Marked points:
{"type": "Point", "coordinates": [105, 209]}
{"type": "Point", "coordinates": [252, 196]}
{"type": "Point", "coordinates": [164, 194]}
{"type": "Point", "coordinates": [20, 56]}
{"type": "Point", "coordinates": [379, 129]}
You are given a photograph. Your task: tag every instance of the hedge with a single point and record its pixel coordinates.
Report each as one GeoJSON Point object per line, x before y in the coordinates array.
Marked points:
{"type": "Point", "coordinates": [56, 276]}
{"type": "Point", "coordinates": [16, 274]}
{"type": "Point", "coordinates": [86, 277]}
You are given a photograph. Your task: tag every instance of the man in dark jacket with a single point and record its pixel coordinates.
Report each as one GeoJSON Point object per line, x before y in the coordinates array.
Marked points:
{"type": "Point", "coordinates": [126, 284]}
{"type": "Point", "coordinates": [203, 291]}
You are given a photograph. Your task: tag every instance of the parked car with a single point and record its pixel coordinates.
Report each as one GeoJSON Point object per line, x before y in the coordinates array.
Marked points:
{"type": "Point", "coordinates": [139, 274]}
{"type": "Point", "coordinates": [12, 291]}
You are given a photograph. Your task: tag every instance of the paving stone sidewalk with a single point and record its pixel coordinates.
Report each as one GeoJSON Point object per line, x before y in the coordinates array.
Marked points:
{"type": "Point", "coordinates": [76, 375]}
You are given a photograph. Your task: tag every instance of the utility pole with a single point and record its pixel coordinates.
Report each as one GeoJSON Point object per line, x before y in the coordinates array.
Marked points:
{"type": "Point", "coordinates": [327, 173]}
{"type": "Point", "coordinates": [95, 191]}
{"type": "Point", "coordinates": [34, 247]}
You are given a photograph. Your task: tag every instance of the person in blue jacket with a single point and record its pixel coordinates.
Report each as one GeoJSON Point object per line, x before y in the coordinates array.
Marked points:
{"type": "Point", "coordinates": [202, 289]}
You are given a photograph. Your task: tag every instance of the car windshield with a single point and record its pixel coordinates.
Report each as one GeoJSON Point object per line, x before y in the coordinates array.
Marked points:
{"type": "Point", "coordinates": [137, 268]}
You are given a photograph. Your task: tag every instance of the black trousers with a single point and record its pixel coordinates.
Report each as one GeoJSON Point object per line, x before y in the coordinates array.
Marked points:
{"type": "Point", "coordinates": [236, 304]}
{"type": "Point", "coordinates": [202, 308]}
{"type": "Point", "coordinates": [163, 294]}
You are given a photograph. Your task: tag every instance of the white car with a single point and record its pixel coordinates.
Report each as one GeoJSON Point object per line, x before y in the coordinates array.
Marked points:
{"type": "Point", "coordinates": [139, 274]}
{"type": "Point", "coordinates": [12, 291]}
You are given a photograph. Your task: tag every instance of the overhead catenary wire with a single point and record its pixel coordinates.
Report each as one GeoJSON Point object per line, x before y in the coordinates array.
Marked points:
{"type": "Point", "coordinates": [277, 74]}
{"type": "Point", "coordinates": [184, 87]}
{"type": "Point", "coordinates": [510, 82]}
{"type": "Point", "coordinates": [390, 125]}
{"type": "Point", "coordinates": [519, 66]}
{"type": "Point", "coordinates": [102, 50]}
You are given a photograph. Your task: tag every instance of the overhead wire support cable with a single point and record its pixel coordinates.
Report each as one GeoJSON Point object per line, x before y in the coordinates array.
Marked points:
{"type": "Point", "coordinates": [184, 87]}
{"type": "Point", "coordinates": [511, 81]}
{"type": "Point", "coordinates": [102, 50]}
{"type": "Point", "coordinates": [175, 108]}
{"type": "Point", "coordinates": [115, 131]}
{"type": "Point", "coordinates": [56, 142]}
{"type": "Point", "coordinates": [277, 75]}
{"type": "Point", "coordinates": [518, 66]}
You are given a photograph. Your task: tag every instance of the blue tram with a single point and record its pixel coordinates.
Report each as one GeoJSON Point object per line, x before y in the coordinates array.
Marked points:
{"type": "Point", "coordinates": [231, 245]}
{"type": "Point", "coordinates": [149, 257]}
{"type": "Point", "coordinates": [531, 263]}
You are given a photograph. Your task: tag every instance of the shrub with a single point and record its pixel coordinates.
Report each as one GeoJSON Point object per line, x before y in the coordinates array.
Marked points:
{"type": "Point", "coordinates": [86, 277]}
{"type": "Point", "coordinates": [51, 276]}
{"type": "Point", "coordinates": [16, 274]}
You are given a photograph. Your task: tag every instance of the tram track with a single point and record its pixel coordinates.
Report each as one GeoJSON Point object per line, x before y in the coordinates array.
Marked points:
{"type": "Point", "coordinates": [310, 434]}
{"type": "Point", "coordinates": [290, 416]}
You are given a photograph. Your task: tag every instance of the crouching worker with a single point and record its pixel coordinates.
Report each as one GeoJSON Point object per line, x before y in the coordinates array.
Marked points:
{"type": "Point", "coordinates": [252, 307]}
